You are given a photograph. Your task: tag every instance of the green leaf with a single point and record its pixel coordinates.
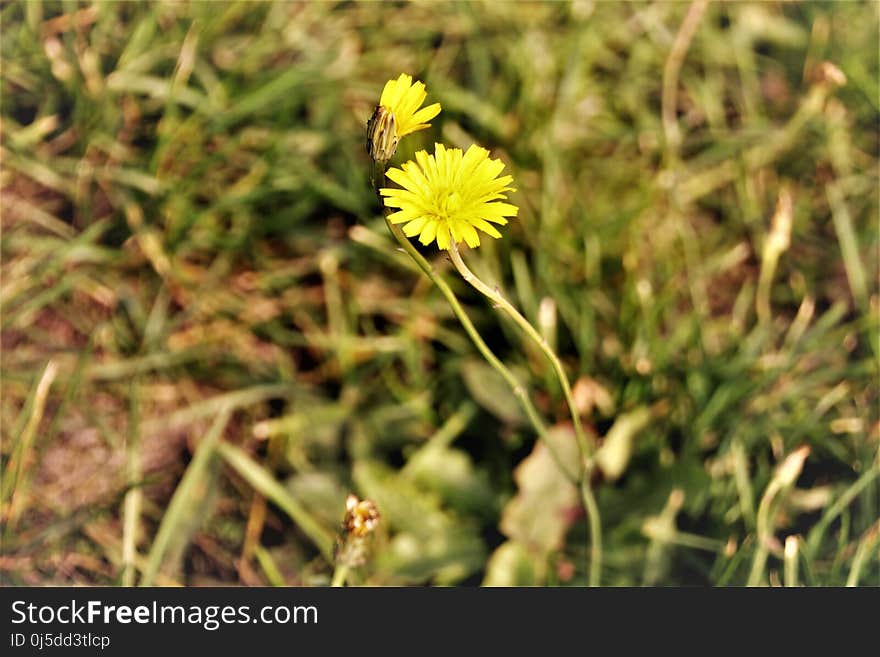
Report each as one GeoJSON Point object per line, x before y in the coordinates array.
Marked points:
{"type": "Point", "coordinates": [451, 473]}
{"type": "Point", "coordinates": [430, 541]}
{"type": "Point", "coordinates": [263, 482]}
{"type": "Point", "coordinates": [491, 392]}
{"type": "Point", "coordinates": [188, 506]}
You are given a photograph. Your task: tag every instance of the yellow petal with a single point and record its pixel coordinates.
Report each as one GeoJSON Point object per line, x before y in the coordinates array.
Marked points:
{"type": "Point", "coordinates": [428, 232]}
{"type": "Point", "coordinates": [426, 113]}
{"type": "Point", "coordinates": [414, 227]}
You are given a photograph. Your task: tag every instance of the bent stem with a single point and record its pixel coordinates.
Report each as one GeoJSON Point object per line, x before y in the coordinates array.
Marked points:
{"type": "Point", "coordinates": [498, 300]}
{"type": "Point", "coordinates": [516, 387]}
{"type": "Point", "coordinates": [519, 391]}
{"type": "Point", "coordinates": [587, 496]}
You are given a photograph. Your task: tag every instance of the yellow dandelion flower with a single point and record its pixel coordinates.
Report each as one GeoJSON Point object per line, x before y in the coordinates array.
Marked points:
{"type": "Point", "coordinates": [403, 99]}
{"type": "Point", "coordinates": [450, 193]}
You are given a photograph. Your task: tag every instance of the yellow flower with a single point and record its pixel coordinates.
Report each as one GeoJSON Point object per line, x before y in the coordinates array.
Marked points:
{"type": "Point", "coordinates": [404, 98]}
{"type": "Point", "coordinates": [450, 193]}
{"type": "Point", "coordinates": [397, 115]}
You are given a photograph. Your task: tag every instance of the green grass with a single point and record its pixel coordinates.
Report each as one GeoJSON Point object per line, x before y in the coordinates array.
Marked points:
{"type": "Point", "coordinates": [210, 338]}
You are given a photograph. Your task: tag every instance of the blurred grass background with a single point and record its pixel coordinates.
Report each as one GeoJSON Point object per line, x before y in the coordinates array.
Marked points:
{"type": "Point", "coordinates": [209, 338]}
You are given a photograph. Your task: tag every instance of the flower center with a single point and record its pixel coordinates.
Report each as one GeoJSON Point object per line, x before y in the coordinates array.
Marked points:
{"type": "Point", "coordinates": [448, 202]}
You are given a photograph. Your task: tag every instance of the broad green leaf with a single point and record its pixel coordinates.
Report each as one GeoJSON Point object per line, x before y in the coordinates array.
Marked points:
{"type": "Point", "coordinates": [490, 391]}
{"type": "Point", "coordinates": [451, 473]}
{"type": "Point", "coordinates": [429, 542]}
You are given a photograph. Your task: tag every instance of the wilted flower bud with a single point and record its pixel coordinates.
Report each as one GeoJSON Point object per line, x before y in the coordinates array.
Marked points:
{"type": "Point", "coordinates": [382, 137]}
{"type": "Point", "coordinates": [361, 519]}
{"type": "Point", "coordinates": [361, 516]}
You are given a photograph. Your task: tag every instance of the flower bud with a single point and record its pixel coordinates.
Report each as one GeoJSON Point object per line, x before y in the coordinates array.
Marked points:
{"type": "Point", "coordinates": [361, 516]}
{"type": "Point", "coordinates": [382, 135]}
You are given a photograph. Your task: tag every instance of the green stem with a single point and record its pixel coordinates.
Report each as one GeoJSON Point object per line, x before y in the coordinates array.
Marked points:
{"type": "Point", "coordinates": [817, 533]}
{"type": "Point", "coordinates": [595, 520]}
{"type": "Point", "coordinates": [790, 556]}
{"type": "Point", "coordinates": [866, 546]}
{"type": "Point", "coordinates": [498, 299]}
{"type": "Point", "coordinates": [339, 575]}
{"type": "Point", "coordinates": [516, 387]}
{"type": "Point", "coordinates": [587, 496]}
{"type": "Point", "coordinates": [764, 529]}
{"type": "Point", "coordinates": [519, 391]}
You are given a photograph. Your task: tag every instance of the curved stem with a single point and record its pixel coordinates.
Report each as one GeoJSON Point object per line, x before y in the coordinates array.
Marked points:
{"type": "Point", "coordinates": [588, 498]}
{"type": "Point", "coordinates": [516, 387]}
{"type": "Point", "coordinates": [583, 479]}
{"type": "Point", "coordinates": [498, 299]}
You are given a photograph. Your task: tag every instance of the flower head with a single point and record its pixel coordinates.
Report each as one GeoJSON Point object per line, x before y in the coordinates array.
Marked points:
{"type": "Point", "coordinates": [397, 115]}
{"type": "Point", "coordinates": [361, 516]}
{"type": "Point", "coordinates": [450, 193]}
{"type": "Point", "coordinates": [382, 137]}
{"type": "Point", "coordinates": [403, 99]}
